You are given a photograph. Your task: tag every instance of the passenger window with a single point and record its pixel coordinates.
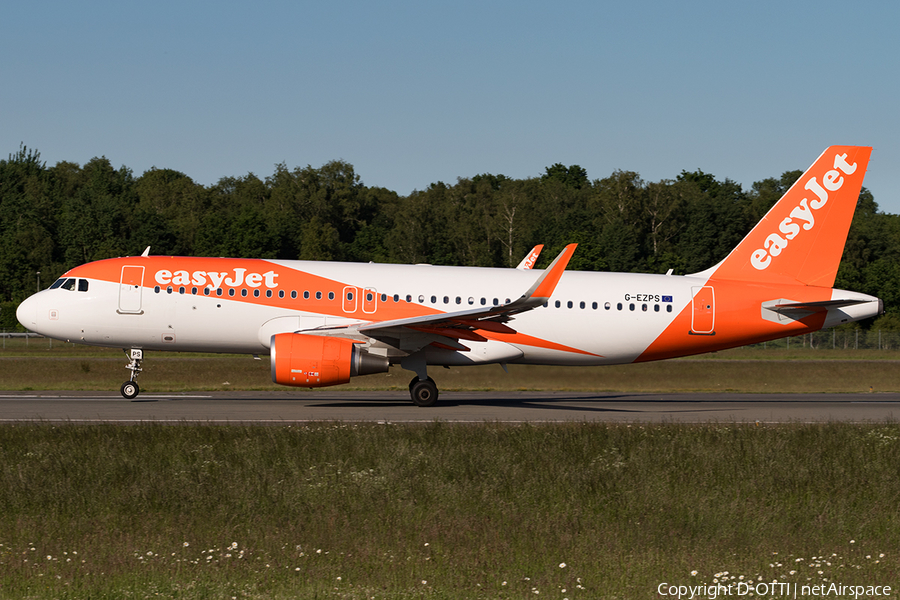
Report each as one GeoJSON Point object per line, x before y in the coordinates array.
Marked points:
{"type": "Point", "coordinates": [409, 298]}
{"type": "Point", "coordinates": [607, 306]}
{"type": "Point", "coordinates": [558, 304]}
{"type": "Point", "coordinates": [218, 291]}
{"type": "Point", "coordinates": [231, 292]}
{"type": "Point", "coordinates": [281, 293]}
{"type": "Point", "coordinates": [305, 295]}
{"type": "Point", "coordinates": [169, 289]}
{"type": "Point", "coordinates": [471, 300]}
{"type": "Point", "coordinates": [434, 299]}
{"type": "Point", "coordinates": [421, 299]}
{"type": "Point", "coordinates": [349, 295]}
{"type": "Point", "coordinates": [206, 291]}
{"type": "Point", "coordinates": [644, 307]}
{"type": "Point", "coordinates": [631, 307]}
{"type": "Point", "coordinates": [181, 290]}
{"type": "Point", "coordinates": [446, 299]}
{"type": "Point", "coordinates": [569, 304]}
{"type": "Point", "coordinates": [156, 289]}
{"type": "Point", "coordinates": [497, 302]}
{"type": "Point", "coordinates": [619, 306]}
{"type": "Point", "coordinates": [669, 308]}
{"type": "Point", "coordinates": [331, 295]}
{"type": "Point", "coordinates": [294, 295]}
{"type": "Point", "coordinates": [582, 305]}
{"type": "Point", "coordinates": [396, 297]}
{"type": "Point", "coordinates": [318, 295]}
{"type": "Point", "coordinates": [656, 307]}
{"type": "Point", "coordinates": [483, 301]}
{"type": "Point", "coordinates": [82, 285]}
{"type": "Point", "coordinates": [458, 300]}
{"type": "Point", "coordinates": [193, 291]}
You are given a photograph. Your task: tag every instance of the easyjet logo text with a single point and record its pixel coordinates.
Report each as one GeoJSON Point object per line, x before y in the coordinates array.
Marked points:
{"type": "Point", "coordinates": [234, 278]}
{"type": "Point", "coordinates": [802, 217]}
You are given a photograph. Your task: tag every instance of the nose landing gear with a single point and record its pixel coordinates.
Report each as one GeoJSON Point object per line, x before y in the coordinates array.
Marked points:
{"type": "Point", "coordinates": [130, 388]}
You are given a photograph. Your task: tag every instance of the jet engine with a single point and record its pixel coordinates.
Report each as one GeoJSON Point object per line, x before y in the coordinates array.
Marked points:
{"type": "Point", "coordinates": [318, 361]}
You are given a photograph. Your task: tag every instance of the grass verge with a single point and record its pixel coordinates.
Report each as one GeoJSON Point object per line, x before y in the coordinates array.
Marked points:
{"type": "Point", "coordinates": [443, 511]}
{"type": "Point", "coordinates": [189, 373]}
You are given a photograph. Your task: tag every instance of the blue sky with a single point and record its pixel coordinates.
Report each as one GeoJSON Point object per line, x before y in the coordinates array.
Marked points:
{"type": "Point", "coordinates": [412, 93]}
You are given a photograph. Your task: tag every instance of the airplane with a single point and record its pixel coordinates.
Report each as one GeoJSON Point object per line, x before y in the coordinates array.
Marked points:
{"type": "Point", "coordinates": [323, 323]}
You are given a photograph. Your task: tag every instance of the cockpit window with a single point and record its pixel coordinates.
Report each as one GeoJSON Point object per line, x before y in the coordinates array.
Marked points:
{"type": "Point", "coordinates": [82, 285]}
{"type": "Point", "coordinates": [56, 284]}
{"type": "Point", "coordinates": [68, 284]}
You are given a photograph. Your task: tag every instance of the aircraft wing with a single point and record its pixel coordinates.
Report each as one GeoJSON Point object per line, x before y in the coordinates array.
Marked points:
{"type": "Point", "coordinates": [446, 329]}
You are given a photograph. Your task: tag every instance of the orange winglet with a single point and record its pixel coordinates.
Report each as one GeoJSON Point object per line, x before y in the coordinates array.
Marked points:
{"type": "Point", "coordinates": [528, 261]}
{"type": "Point", "coordinates": [547, 283]}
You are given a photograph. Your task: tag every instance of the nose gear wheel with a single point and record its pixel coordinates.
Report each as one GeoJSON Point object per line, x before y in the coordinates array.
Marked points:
{"type": "Point", "coordinates": [130, 388]}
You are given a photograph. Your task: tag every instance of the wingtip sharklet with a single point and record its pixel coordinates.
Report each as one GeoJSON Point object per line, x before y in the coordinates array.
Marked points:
{"type": "Point", "coordinates": [545, 285]}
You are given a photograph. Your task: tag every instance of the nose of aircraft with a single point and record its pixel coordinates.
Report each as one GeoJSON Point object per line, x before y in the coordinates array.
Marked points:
{"type": "Point", "coordinates": [27, 312]}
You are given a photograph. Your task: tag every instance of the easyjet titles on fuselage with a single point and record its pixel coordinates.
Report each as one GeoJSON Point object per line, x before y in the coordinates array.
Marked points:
{"type": "Point", "coordinates": [234, 278]}
{"type": "Point", "coordinates": [803, 212]}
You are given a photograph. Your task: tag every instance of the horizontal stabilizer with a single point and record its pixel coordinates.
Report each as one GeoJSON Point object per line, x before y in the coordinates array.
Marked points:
{"type": "Point", "coordinates": [785, 307]}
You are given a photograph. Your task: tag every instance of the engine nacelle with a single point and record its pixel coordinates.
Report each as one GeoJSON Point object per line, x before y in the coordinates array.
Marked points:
{"type": "Point", "coordinates": [318, 361]}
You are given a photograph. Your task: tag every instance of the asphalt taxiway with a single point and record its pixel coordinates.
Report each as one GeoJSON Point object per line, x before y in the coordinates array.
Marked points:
{"type": "Point", "coordinates": [473, 407]}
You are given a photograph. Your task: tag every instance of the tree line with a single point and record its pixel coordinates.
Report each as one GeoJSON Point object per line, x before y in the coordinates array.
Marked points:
{"type": "Point", "coordinates": [54, 218]}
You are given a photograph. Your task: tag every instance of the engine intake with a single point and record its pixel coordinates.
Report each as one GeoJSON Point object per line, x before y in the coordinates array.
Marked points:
{"type": "Point", "coordinates": [318, 361]}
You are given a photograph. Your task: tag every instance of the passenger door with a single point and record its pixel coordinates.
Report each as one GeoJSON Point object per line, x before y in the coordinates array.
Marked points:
{"type": "Point", "coordinates": [131, 289]}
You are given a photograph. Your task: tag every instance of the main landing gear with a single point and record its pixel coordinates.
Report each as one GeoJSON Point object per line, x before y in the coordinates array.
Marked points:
{"type": "Point", "coordinates": [130, 388]}
{"type": "Point", "coordinates": [423, 392]}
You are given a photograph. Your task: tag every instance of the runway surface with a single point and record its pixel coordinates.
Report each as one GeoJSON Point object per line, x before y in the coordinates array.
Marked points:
{"type": "Point", "coordinates": [464, 407]}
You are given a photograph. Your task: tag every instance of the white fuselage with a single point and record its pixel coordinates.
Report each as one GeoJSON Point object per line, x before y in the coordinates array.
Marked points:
{"type": "Point", "coordinates": [591, 318]}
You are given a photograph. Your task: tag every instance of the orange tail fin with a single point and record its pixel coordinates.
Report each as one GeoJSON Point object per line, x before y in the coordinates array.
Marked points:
{"type": "Point", "coordinates": [801, 239]}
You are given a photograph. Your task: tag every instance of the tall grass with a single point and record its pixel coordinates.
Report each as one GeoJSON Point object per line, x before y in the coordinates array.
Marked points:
{"type": "Point", "coordinates": [442, 511]}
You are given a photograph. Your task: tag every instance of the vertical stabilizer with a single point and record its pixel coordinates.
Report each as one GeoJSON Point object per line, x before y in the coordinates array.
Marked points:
{"type": "Point", "coordinates": [801, 239]}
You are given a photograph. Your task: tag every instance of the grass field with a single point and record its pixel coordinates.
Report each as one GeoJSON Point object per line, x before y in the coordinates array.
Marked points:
{"type": "Point", "coordinates": [447, 511]}
{"type": "Point", "coordinates": [443, 511]}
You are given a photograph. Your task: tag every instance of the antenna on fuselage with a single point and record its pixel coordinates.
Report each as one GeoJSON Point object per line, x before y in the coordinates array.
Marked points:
{"type": "Point", "coordinates": [146, 251]}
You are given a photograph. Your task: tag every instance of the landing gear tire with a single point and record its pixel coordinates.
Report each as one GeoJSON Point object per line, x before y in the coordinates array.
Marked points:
{"type": "Point", "coordinates": [423, 393]}
{"type": "Point", "coordinates": [130, 390]}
